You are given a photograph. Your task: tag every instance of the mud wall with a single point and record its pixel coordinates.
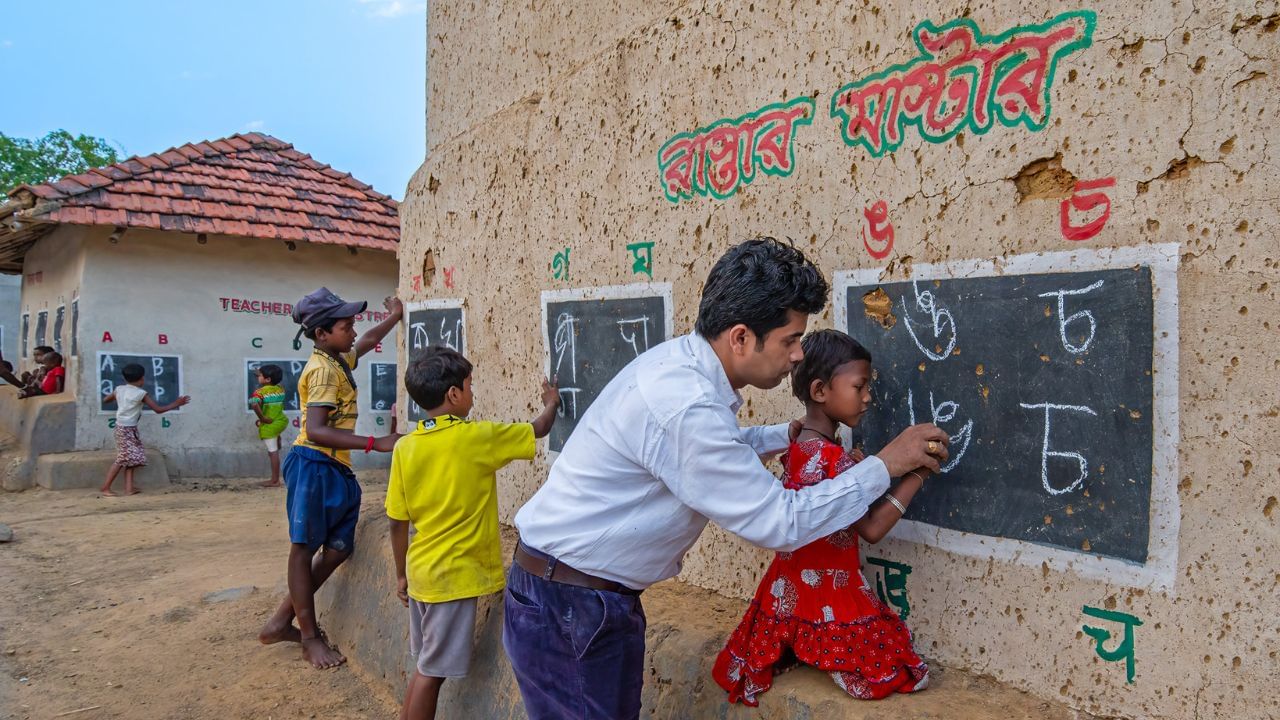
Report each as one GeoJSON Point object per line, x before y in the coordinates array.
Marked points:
{"type": "Point", "coordinates": [562, 135]}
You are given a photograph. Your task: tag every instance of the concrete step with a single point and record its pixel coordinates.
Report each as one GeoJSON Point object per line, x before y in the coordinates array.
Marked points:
{"type": "Point", "coordinates": [687, 627]}
{"type": "Point", "coordinates": [85, 470]}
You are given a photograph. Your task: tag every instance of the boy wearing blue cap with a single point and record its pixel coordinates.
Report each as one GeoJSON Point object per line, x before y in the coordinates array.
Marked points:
{"type": "Point", "coordinates": [323, 498]}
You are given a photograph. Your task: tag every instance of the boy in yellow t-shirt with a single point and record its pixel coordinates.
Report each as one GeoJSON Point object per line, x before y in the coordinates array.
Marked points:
{"type": "Point", "coordinates": [443, 481]}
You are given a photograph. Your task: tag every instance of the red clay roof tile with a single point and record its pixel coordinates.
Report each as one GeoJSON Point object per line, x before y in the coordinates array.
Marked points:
{"type": "Point", "coordinates": [250, 185]}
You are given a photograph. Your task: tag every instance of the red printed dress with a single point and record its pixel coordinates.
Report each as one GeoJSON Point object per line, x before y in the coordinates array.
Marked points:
{"type": "Point", "coordinates": [816, 603]}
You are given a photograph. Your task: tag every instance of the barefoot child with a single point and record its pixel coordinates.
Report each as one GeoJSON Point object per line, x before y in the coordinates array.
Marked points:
{"type": "Point", "coordinates": [129, 399]}
{"type": "Point", "coordinates": [323, 498]}
{"type": "Point", "coordinates": [267, 402]}
{"type": "Point", "coordinates": [814, 605]}
{"type": "Point", "coordinates": [442, 481]}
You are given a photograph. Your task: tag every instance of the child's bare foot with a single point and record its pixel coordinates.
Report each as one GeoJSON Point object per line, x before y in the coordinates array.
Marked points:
{"type": "Point", "coordinates": [320, 655]}
{"type": "Point", "coordinates": [132, 491]}
{"type": "Point", "coordinates": [107, 493]}
{"type": "Point", "coordinates": [275, 631]}
{"type": "Point", "coordinates": [271, 483]}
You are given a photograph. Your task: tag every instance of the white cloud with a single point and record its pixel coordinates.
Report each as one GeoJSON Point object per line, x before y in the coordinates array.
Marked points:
{"type": "Point", "coordinates": [255, 125]}
{"type": "Point", "coordinates": [392, 8]}
{"type": "Point", "coordinates": [7, 43]}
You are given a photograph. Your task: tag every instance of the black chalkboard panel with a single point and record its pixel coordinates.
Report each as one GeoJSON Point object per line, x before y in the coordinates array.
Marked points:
{"type": "Point", "coordinates": [382, 385]}
{"type": "Point", "coordinates": [1044, 384]}
{"type": "Point", "coordinates": [589, 342]}
{"type": "Point", "coordinates": [163, 379]}
{"type": "Point", "coordinates": [290, 371]}
{"type": "Point", "coordinates": [59, 318]}
{"type": "Point", "coordinates": [429, 326]}
{"type": "Point", "coordinates": [42, 325]}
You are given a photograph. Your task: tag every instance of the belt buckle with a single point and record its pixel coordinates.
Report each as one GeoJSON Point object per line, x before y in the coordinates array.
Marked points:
{"type": "Point", "coordinates": [551, 569]}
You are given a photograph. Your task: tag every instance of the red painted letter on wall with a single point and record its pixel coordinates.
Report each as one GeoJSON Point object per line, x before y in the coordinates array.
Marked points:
{"type": "Point", "coordinates": [164, 339]}
{"type": "Point", "coordinates": [1084, 203]}
{"type": "Point", "coordinates": [106, 337]}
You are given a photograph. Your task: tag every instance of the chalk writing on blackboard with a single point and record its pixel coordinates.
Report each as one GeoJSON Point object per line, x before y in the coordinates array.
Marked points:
{"type": "Point", "coordinates": [162, 379]}
{"type": "Point", "coordinates": [432, 322]}
{"type": "Point", "coordinates": [1055, 374]}
{"type": "Point", "coordinates": [590, 334]}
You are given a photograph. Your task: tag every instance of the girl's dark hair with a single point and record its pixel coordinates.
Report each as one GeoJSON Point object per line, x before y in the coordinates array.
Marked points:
{"type": "Point", "coordinates": [824, 351]}
{"type": "Point", "coordinates": [755, 283]}
{"type": "Point", "coordinates": [132, 372]}
{"type": "Point", "coordinates": [54, 357]}
{"type": "Point", "coordinates": [42, 349]}
{"type": "Point", "coordinates": [429, 377]}
{"type": "Point", "coordinates": [272, 373]}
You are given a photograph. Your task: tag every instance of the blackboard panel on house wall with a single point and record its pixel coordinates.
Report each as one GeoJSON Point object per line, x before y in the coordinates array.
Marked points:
{"type": "Point", "coordinates": [382, 386]}
{"type": "Point", "coordinates": [290, 371]}
{"type": "Point", "coordinates": [26, 334]}
{"type": "Point", "coordinates": [42, 327]}
{"type": "Point", "coordinates": [59, 317]}
{"type": "Point", "coordinates": [1043, 382]}
{"type": "Point", "coordinates": [162, 381]}
{"type": "Point", "coordinates": [75, 327]}
{"type": "Point", "coordinates": [433, 323]}
{"type": "Point", "coordinates": [589, 341]}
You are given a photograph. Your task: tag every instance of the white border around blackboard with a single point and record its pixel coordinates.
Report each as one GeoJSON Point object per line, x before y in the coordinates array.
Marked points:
{"type": "Point", "coordinates": [607, 292]}
{"type": "Point", "coordinates": [97, 383]}
{"type": "Point", "coordinates": [432, 304]}
{"type": "Point", "coordinates": [1160, 570]}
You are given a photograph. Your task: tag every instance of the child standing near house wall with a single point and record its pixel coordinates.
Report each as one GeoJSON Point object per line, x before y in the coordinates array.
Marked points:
{"type": "Point", "coordinates": [129, 399]}
{"type": "Point", "coordinates": [442, 481]}
{"type": "Point", "coordinates": [267, 403]}
{"type": "Point", "coordinates": [323, 497]}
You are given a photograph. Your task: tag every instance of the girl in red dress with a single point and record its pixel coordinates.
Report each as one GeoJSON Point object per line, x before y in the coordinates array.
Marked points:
{"type": "Point", "coordinates": [813, 605]}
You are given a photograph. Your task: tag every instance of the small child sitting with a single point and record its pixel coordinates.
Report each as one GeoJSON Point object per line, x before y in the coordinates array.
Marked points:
{"type": "Point", "coordinates": [129, 399]}
{"type": "Point", "coordinates": [33, 379]}
{"type": "Point", "coordinates": [814, 605]}
{"type": "Point", "coordinates": [267, 402]}
{"type": "Point", "coordinates": [55, 375]}
{"type": "Point", "coordinates": [443, 481]}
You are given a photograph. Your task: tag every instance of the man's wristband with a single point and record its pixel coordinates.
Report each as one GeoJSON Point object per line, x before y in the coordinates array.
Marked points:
{"type": "Point", "coordinates": [369, 446]}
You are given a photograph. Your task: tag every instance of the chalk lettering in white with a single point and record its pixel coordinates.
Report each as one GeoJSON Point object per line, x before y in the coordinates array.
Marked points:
{"type": "Point", "coordinates": [941, 318]}
{"type": "Point", "coordinates": [945, 412]}
{"type": "Point", "coordinates": [637, 325]}
{"type": "Point", "coordinates": [566, 346]}
{"type": "Point", "coordinates": [420, 339]}
{"type": "Point", "coordinates": [1046, 453]}
{"type": "Point", "coordinates": [1064, 320]}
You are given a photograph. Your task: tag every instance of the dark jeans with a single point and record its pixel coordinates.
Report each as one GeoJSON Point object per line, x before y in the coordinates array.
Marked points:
{"type": "Point", "coordinates": [578, 654]}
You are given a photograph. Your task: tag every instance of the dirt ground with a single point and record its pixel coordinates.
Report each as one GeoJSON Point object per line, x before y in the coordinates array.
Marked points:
{"type": "Point", "coordinates": [103, 605]}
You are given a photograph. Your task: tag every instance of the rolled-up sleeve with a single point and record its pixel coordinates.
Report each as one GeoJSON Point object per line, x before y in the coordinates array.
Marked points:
{"type": "Point", "coordinates": [766, 439]}
{"type": "Point", "coordinates": [706, 461]}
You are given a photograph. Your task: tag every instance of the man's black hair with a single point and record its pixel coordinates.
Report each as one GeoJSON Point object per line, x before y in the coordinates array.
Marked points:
{"type": "Point", "coordinates": [824, 351]}
{"type": "Point", "coordinates": [42, 349]}
{"type": "Point", "coordinates": [132, 372]}
{"type": "Point", "coordinates": [8, 366]}
{"type": "Point", "coordinates": [429, 378]}
{"type": "Point", "coordinates": [755, 283]}
{"type": "Point", "coordinates": [272, 373]}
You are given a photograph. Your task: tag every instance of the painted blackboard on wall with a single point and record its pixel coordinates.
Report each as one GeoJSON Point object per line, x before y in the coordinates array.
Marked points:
{"type": "Point", "coordinates": [591, 334]}
{"type": "Point", "coordinates": [163, 379]}
{"type": "Point", "coordinates": [290, 371]}
{"type": "Point", "coordinates": [382, 385]}
{"type": "Point", "coordinates": [42, 327]}
{"type": "Point", "coordinates": [1043, 381]}
{"type": "Point", "coordinates": [26, 334]}
{"type": "Point", "coordinates": [59, 318]}
{"type": "Point", "coordinates": [433, 322]}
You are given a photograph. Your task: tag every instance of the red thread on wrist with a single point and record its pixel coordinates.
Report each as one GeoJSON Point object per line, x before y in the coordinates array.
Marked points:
{"type": "Point", "coordinates": [369, 447]}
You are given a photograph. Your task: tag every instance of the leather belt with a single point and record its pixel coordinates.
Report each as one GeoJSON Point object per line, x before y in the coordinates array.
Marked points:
{"type": "Point", "coordinates": [549, 568]}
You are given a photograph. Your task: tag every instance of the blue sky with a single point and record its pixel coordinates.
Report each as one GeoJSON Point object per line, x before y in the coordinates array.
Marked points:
{"type": "Point", "coordinates": [343, 80]}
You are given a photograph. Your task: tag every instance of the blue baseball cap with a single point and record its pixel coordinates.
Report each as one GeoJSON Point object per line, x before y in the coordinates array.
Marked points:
{"type": "Point", "coordinates": [322, 306]}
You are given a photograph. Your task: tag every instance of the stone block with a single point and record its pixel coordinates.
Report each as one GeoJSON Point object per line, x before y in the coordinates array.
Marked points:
{"type": "Point", "coordinates": [85, 470]}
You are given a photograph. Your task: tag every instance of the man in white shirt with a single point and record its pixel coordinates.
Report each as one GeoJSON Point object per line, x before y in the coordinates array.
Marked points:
{"type": "Point", "coordinates": [658, 454]}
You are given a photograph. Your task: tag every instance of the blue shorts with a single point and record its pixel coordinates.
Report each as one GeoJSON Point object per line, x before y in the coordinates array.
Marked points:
{"type": "Point", "coordinates": [322, 500]}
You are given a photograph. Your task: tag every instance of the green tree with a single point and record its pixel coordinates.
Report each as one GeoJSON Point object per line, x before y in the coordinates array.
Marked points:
{"type": "Point", "coordinates": [57, 154]}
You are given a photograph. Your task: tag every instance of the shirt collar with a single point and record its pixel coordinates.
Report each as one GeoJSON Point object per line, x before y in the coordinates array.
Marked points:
{"type": "Point", "coordinates": [438, 422]}
{"type": "Point", "coordinates": [713, 369]}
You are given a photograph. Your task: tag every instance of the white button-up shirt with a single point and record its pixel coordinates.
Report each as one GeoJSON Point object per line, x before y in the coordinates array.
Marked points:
{"type": "Point", "coordinates": [659, 453]}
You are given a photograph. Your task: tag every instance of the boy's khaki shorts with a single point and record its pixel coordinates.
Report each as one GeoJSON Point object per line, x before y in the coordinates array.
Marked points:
{"type": "Point", "coordinates": [441, 636]}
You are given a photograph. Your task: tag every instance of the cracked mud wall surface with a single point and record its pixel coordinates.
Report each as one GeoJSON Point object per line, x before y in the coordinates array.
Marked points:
{"type": "Point", "coordinates": [545, 124]}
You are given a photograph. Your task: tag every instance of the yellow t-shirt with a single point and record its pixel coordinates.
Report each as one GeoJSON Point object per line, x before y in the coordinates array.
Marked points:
{"type": "Point", "coordinates": [324, 383]}
{"type": "Point", "coordinates": [442, 480]}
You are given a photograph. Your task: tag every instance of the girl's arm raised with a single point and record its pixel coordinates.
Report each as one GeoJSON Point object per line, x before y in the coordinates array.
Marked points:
{"type": "Point", "coordinates": [883, 514]}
